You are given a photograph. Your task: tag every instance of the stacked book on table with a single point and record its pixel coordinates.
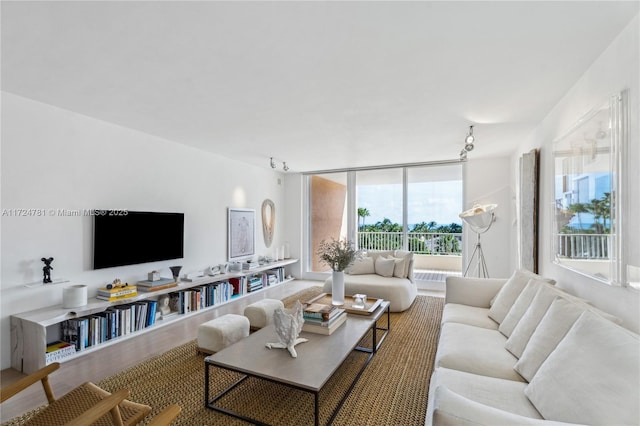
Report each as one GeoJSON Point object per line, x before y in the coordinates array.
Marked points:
{"type": "Point", "coordinates": [322, 319]}
{"type": "Point", "coordinates": [147, 286]}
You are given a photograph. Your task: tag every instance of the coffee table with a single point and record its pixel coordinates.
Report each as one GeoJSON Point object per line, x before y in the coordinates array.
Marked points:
{"type": "Point", "coordinates": [317, 360]}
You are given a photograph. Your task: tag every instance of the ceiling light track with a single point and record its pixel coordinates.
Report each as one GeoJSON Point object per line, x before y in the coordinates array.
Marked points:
{"type": "Point", "coordinates": [273, 164]}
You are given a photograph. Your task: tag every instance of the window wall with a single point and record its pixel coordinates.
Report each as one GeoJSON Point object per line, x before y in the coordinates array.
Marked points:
{"type": "Point", "coordinates": [406, 207]}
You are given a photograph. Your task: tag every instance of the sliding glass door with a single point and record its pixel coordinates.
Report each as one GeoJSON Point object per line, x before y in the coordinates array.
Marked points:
{"type": "Point", "coordinates": [412, 208]}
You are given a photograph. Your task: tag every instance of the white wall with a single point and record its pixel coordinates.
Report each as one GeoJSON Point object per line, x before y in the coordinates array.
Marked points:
{"type": "Point", "coordinates": [487, 181]}
{"type": "Point", "coordinates": [616, 69]}
{"type": "Point", "coordinates": [56, 159]}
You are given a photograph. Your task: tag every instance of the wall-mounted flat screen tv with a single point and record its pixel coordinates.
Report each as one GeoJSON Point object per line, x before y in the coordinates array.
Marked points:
{"type": "Point", "coordinates": [123, 237]}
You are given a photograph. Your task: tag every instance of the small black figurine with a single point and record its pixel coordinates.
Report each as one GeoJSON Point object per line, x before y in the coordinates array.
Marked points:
{"type": "Point", "coordinates": [47, 269]}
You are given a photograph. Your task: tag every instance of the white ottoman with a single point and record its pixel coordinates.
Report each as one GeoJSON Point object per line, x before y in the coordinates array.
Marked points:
{"type": "Point", "coordinates": [260, 313]}
{"type": "Point", "coordinates": [217, 334]}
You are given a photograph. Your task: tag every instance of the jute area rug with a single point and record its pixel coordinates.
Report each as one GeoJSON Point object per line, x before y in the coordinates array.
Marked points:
{"type": "Point", "coordinates": [391, 391]}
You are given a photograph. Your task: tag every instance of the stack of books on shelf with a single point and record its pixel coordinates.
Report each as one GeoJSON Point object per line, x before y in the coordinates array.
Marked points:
{"type": "Point", "coordinates": [161, 284]}
{"type": "Point", "coordinates": [114, 294]}
{"type": "Point", "coordinates": [254, 283]}
{"type": "Point", "coordinates": [58, 351]}
{"type": "Point", "coordinates": [322, 319]}
{"type": "Point", "coordinates": [239, 286]}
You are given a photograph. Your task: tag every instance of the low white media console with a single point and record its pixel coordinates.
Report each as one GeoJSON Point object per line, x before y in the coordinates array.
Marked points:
{"type": "Point", "coordinates": [32, 331]}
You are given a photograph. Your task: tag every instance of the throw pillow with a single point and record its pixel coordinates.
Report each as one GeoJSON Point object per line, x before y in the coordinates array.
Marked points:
{"type": "Point", "coordinates": [519, 307]}
{"type": "Point", "coordinates": [384, 267]}
{"type": "Point", "coordinates": [510, 292]}
{"type": "Point", "coordinates": [407, 256]}
{"type": "Point", "coordinates": [377, 253]}
{"type": "Point", "coordinates": [361, 266]}
{"type": "Point", "coordinates": [554, 325]}
{"type": "Point", "coordinates": [591, 377]}
{"type": "Point", "coordinates": [530, 320]}
{"type": "Point", "coordinates": [400, 268]}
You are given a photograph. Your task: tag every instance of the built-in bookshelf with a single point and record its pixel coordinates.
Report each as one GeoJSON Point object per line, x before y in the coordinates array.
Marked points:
{"type": "Point", "coordinates": [101, 323]}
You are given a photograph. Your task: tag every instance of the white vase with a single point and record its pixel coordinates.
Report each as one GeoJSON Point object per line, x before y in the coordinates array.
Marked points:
{"type": "Point", "coordinates": [337, 288]}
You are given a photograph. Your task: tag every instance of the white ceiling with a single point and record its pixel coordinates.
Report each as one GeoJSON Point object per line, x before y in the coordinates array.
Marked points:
{"type": "Point", "coordinates": [320, 85]}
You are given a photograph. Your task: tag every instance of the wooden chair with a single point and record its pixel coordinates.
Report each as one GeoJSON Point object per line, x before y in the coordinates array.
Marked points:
{"type": "Point", "coordinates": [86, 405]}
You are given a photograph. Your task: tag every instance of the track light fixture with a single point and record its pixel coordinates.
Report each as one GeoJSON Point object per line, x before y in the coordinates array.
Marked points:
{"type": "Point", "coordinates": [468, 141]}
{"type": "Point", "coordinates": [274, 165]}
{"type": "Point", "coordinates": [468, 144]}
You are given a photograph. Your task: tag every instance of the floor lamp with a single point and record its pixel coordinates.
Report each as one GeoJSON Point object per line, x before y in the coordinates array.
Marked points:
{"type": "Point", "coordinates": [479, 218]}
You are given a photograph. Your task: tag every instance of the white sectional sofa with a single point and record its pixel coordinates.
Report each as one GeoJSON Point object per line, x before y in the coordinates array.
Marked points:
{"type": "Point", "coordinates": [523, 352]}
{"type": "Point", "coordinates": [382, 274]}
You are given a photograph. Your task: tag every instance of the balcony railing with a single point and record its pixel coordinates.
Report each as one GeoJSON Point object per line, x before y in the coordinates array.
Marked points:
{"type": "Point", "coordinates": [583, 246]}
{"type": "Point", "coordinates": [433, 243]}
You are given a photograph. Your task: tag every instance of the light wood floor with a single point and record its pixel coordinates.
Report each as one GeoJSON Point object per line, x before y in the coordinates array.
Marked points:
{"type": "Point", "coordinates": [114, 358]}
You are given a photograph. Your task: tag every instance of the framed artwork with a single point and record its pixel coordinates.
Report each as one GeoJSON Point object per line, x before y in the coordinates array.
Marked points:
{"type": "Point", "coordinates": [241, 233]}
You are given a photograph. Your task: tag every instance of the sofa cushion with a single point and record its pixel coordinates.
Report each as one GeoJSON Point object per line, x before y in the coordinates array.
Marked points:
{"type": "Point", "coordinates": [451, 409]}
{"type": "Point", "coordinates": [502, 394]}
{"type": "Point", "coordinates": [509, 293]}
{"type": "Point", "coordinates": [360, 266]}
{"type": "Point", "coordinates": [470, 315]}
{"type": "Point", "coordinates": [554, 325]}
{"type": "Point", "coordinates": [475, 350]}
{"type": "Point", "coordinates": [530, 320]}
{"type": "Point", "coordinates": [519, 307]}
{"type": "Point", "coordinates": [384, 267]}
{"type": "Point", "coordinates": [592, 375]}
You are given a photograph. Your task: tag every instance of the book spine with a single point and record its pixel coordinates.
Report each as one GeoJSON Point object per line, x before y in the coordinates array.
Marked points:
{"type": "Point", "coordinates": [316, 315]}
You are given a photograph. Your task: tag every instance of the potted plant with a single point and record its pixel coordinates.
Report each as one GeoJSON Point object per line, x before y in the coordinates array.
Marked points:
{"type": "Point", "coordinates": [338, 255]}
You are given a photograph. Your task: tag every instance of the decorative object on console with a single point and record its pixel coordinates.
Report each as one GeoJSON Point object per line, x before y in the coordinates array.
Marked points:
{"type": "Point", "coordinates": [268, 221]}
{"type": "Point", "coordinates": [163, 305]}
{"type": "Point", "coordinates": [46, 270]}
{"type": "Point", "coordinates": [241, 233]}
{"type": "Point", "coordinates": [338, 255]}
{"type": "Point", "coordinates": [288, 323]}
{"type": "Point", "coordinates": [175, 270]}
{"type": "Point", "coordinates": [153, 276]}
{"type": "Point", "coordinates": [479, 218]}
{"type": "Point", "coordinates": [74, 296]}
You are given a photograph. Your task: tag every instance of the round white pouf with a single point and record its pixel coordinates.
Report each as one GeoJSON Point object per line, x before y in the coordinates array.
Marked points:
{"type": "Point", "coordinates": [217, 334]}
{"type": "Point", "coordinates": [260, 313]}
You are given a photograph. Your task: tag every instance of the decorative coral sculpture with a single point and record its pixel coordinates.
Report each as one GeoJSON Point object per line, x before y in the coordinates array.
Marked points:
{"type": "Point", "coordinates": [288, 323]}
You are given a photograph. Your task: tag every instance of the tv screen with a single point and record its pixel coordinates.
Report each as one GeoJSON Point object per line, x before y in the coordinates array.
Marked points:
{"type": "Point", "coordinates": [123, 237]}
